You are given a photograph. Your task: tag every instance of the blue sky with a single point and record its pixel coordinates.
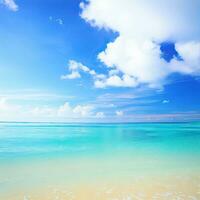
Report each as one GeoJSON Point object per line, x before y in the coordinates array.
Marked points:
{"type": "Point", "coordinates": [71, 60]}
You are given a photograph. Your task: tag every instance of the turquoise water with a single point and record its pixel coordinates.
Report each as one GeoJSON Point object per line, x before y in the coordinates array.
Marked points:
{"type": "Point", "coordinates": [21, 140]}
{"type": "Point", "coordinates": [71, 152]}
{"type": "Point", "coordinates": [24, 140]}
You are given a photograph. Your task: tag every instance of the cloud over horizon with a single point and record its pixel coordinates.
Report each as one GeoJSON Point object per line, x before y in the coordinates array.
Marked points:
{"type": "Point", "coordinates": [65, 112]}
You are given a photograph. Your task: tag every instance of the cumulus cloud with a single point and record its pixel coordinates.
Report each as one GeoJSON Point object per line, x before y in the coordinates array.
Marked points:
{"type": "Point", "coordinates": [115, 81]}
{"type": "Point", "coordinates": [65, 112]}
{"type": "Point", "coordinates": [100, 80]}
{"type": "Point", "coordinates": [73, 75]}
{"type": "Point", "coordinates": [10, 4]}
{"type": "Point", "coordinates": [75, 68]}
{"type": "Point", "coordinates": [142, 26]}
{"type": "Point", "coordinates": [190, 53]}
{"type": "Point", "coordinates": [83, 111]}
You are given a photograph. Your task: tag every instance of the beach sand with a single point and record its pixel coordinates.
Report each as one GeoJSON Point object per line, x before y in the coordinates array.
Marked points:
{"type": "Point", "coordinates": [175, 188]}
{"type": "Point", "coordinates": [81, 179]}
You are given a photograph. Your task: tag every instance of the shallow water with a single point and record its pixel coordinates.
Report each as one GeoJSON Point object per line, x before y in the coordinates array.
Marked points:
{"type": "Point", "coordinates": [99, 161]}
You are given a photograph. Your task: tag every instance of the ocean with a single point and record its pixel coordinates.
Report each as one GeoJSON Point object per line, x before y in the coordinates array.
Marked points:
{"type": "Point", "coordinates": [58, 161]}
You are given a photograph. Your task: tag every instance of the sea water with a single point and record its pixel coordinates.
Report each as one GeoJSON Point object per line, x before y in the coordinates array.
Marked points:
{"type": "Point", "coordinates": [99, 161]}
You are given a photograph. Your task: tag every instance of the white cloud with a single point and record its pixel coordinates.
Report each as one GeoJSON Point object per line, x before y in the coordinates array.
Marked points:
{"type": "Point", "coordinates": [75, 68]}
{"type": "Point", "coordinates": [92, 72]}
{"type": "Point", "coordinates": [142, 25]}
{"type": "Point", "coordinates": [65, 112]}
{"type": "Point", "coordinates": [100, 76]}
{"type": "Point", "coordinates": [80, 113]}
{"type": "Point", "coordinates": [190, 53]}
{"type": "Point", "coordinates": [119, 113]}
{"type": "Point", "coordinates": [116, 81]}
{"type": "Point", "coordinates": [100, 80]}
{"type": "Point", "coordinates": [74, 65]}
{"type": "Point", "coordinates": [83, 111]}
{"type": "Point", "coordinates": [10, 4]}
{"type": "Point", "coordinates": [144, 19]}
{"type": "Point", "coordinates": [73, 75]}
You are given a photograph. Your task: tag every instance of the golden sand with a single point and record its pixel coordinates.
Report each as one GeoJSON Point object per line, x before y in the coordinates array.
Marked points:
{"type": "Point", "coordinates": [86, 180]}
{"type": "Point", "coordinates": [168, 188]}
